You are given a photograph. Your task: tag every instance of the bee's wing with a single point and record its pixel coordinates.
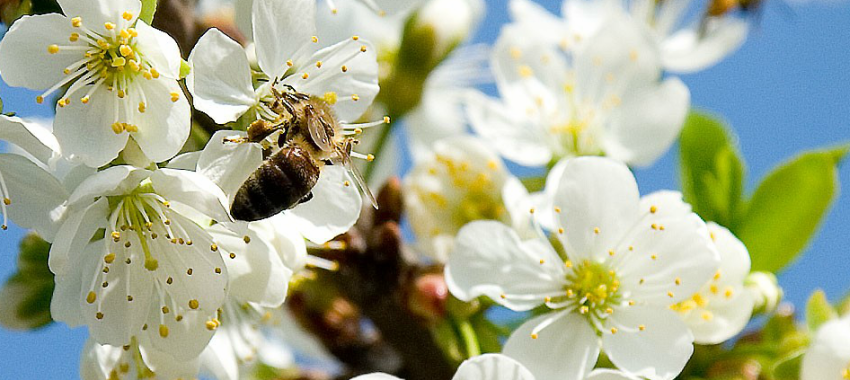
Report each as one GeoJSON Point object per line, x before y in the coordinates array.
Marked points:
{"type": "Point", "coordinates": [318, 132]}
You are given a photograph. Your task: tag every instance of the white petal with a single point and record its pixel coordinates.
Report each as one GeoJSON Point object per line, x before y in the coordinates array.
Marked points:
{"type": "Point", "coordinates": [164, 126]}
{"type": "Point", "coordinates": [159, 50]}
{"type": "Point", "coordinates": [827, 357]}
{"type": "Point", "coordinates": [30, 137]}
{"type": "Point", "coordinates": [566, 349]}
{"type": "Point", "coordinates": [610, 374]}
{"type": "Point", "coordinates": [686, 52]}
{"type": "Point", "coordinates": [257, 274]}
{"type": "Point", "coordinates": [295, 19]}
{"type": "Point", "coordinates": [647, 123]}
{"type": "Point", "coordinates": [659, 352]}
{"type": "Point", "coordinates": [282, 232]}
{"type": "Point", "coordinates": [167, 366]}
{"type": "Point", "coordinates": [85, 130]}
{"type": "Point", "coordinates": [665, 204]}
{"type": "Point", "coordinates": [218, 360]}
{"type": "Point", "coordinates": [229, 164]}
{"type": "Point", "coordinates": [121, 319]}
{"type": "Point", "coordinates": [598, 198]}
{"type": "Point", "coordinates": [734, 257]}
{"type": "Point", "coordinates": [220, 80]}
{"type": "Point", "coordinates": [438, 116]}
{"type": "Point", "coordinates": [193, 190]}
{"type": "Point", "coordinates": [186, 339]}
{"type": "Point", "coordinates": [75, 233]}
{"type": "Point", "coordinates": [98, 360]}
{"type": "Point", "coordinates": [517, 139]}
{"type": "Point", "coordinates": [24, 60]}
{"type": "Point", "coordinates": [665, 266]}
{"type": "Point", "coordinates": [37, 196]}
{"type": "Point", "coordinates": [547, 28]}
{"type": "Point", "coordinates": [492, 367]}
{"type": "Point", "coordinates": [489, 259]}
{"type": "Point", "coordinates": [375, 376]}
{"type": "Point", "coordinates": [65, 304]}
{"type": "Point", "coordinates": [729, 316]}
{"type": "Point", "coordinates": [360, 78]}
{"type": "Point", "coordinates": [185, 161]}
{"type": "Point", "coordinates": [334, 208]}
{"type": "Point", "coordinates": [95, 13]}
{"type": "Point", "coordinates": [115, 180]}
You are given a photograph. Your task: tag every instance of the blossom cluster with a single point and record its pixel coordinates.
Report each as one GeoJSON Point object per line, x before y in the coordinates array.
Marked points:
{"type": "Point", "coordinates": [183, 203]}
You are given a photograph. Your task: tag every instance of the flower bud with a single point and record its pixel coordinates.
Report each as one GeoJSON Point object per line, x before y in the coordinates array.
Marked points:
{"type": "Point", "coordinates": [765, 291]}
{"type": "Point", "coordinates": [450, 22]}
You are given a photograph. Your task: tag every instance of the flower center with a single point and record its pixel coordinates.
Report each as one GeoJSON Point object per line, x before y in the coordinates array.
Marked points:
{"type": "Point", "coordinates": [110, 58]}
{"type": "Point", "coordinates": [140, 218]}
{"type": "Point", "coordinates": [593, 289]}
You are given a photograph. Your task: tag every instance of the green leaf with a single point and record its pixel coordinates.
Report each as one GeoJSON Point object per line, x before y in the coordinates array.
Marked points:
{"type": "Point", "coordinates": [148, 9]}
{"type": "Point", "coordinates": [787, 208]}
{"type": "Point", "coordinates": [534, 184]}
{"type": "Point", "coordinates": [712, 169]}
{"type": "Point", "coordinates": [818, 310]}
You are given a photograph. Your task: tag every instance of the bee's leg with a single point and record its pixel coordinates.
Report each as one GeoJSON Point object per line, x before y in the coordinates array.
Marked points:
{"type": "Point", "coordinates": [306, 198]}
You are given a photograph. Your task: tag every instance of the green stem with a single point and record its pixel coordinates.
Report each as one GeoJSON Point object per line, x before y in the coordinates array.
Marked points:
{"type": "Point", "coordinates": [470, 338]}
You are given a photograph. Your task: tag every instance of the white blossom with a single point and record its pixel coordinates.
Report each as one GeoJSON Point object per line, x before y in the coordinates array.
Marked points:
{"type": "Point", "coordinates": [484, 367]}
{"type": "Point", "coordinates": [462, 181]}
{"type": "Point", "coordinates": [137, 360]}
{"type": "Point", "coordinates": [828, 358]}
{"type": "Point", "coordinates": [131, 259]}
{"type": "Point", "coordinates": [605, 97]}
{"type": "Point", "coordinates": [688, 38]}
{"type": "Point", "coordinates": [121, 77]}
{"type": "Point", "coordinates": [722, 308]}
{"type": "Point", "coordinates": [627, 260]}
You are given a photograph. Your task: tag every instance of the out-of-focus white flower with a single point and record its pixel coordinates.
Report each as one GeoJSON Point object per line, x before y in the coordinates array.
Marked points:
{"type": "Point", "coordinates": [605, 97]}
{"type": "Point", "coordinates": [828, 358]}
{"type": "Point", "coordinates": [628, 259]}
{"type": "Point", "coordinates": [137, 360]}
{"type": "Point", "coordinates": [448, 22]}
{"type": "Point", "coordinates": [484, 367]}
{"type": "Point", "coordinates": [29, 194]}
{"type": "Point", "coordinates": [154, 271]}
{"type": "Point", "coordinates": [344, 74]}
{"type": "Point", "coordinates": [121, 77]}
{"type": "Point", "coordinates": [722, 308]}
{"type": "Point", "coordinates": [764, 290]}
{"type": "Point", "coordinates": [463, 181]}
{"type": "Point", "coordinates": [334, 208]}
{"type": "Point", "coordinates": [688, 39]}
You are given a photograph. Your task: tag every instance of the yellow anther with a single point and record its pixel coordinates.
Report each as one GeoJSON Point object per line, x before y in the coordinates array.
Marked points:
{"type": "Point", "coordinates": [370, 157]}
{"type": "Point", "coordinates": [355, 97]}
{"type": "Point", "coordinates": [109, 25]}
{"type": "Point", "coordinates": [558, 210]}
{"type": "Point", "coordinates": [155, 75]}
{"type": "Point", "coordinates": [91, 297]}
{"type": "Point", "coordinates": [609, 311]}
{"type": "Point", "coordinates": [74, 37]}
{"type": "Point", "coordinates": [124, 34]}
{"type": "Point", "coordinates": [39, 99]}
{"type": "Point", "coordinates": [678, 281]}
{"type": "Point", "coordinates": [355, 38]}
{"type": "Point", "coordinates": [305, 76]}
{"type": "Point", "coordinates": [387, 120]}
{"type": "Point", "coordinates": [314, 39]}
{"type": "Point", "coordinates": [534, 336]}
{"type": "Point", "coordinates": [7, 201]}
{"type": "Point", "coordinates": [670, 294]}
{"type": "Point", "coordinates": [163, 331]}
{"type": "Point", "coordinates": [289, 63]}
{"type": "Point", "coordinates": [117, 128]}
{"type": "Point", "coordinates": [211, 325]}
{"type": "Point", "coordinates": [631, 303]}
{"type": "Point", "coordinates": [525, 71]}
{"type": "Point", "coordinates": [189, 271]}
{"type": "Point", "coordinates": [641, 327]}
{"type": "Point", "coordinates": [318, 64]}
{"type": "Point", "coordinates": [131, 128]}
{"type": "Point", "coordinates": [53, 49]}
{"type": "Point", "coordinates": [363, 48]}
{"type": "Point", "coordinates": [503, 296]}
{"type": "Point", "coordinates": [560, 230]}
{"type": "Point", "coordinates": [729, 293]}
{"type": "Point", "coordinates": [611, 252]}
{"type": "Point", "coordinates": [346, 184]}
{"type": "Point", "coordinates": [707, 316]}
{"type": "Point", "coordinates": [583, 310]}
{"type": "Point", "coordinates": [232, 255]}
{"type": "Point", "coordinates": [127, 16]}
{"type": "Point", "coordinates": [596, 230]}
{"type": "Point", "coordinates": [568, 264]}
{"type": "Point", "coordinates": [76, 22]}
{"type": "Point", "coordinates": [654, 257]}
{"type": "Point", "coordinates": [133, 32]}
{"type": "Point", "coordinates": [109, 258]}
{"type": "Point", "coordinates": [613, 330]}
{"type": "Point", "coordinates": [542, 261]}
{"type": "Point", "coordinates": [654, 226]}
{"type": "Point", "coordinates": [121, 94]}
{"type": "Point", "coordinates": [193, 304]}
{"type": "Point", "coordinates": [175, 96]}
{"type": "Point", "coordinates": [165, 310]}
{"type": "Point", "coordinates": [126, 51]}
{"type": "Point", "coordinates": [633, 55]}
{"type": "Point", "coordinates": [214, 247]}
{"type": "Point", "coordinates": [344, 68]}
{"type": "Point", "coordinates": [653, 209]}
{"type": "Point", "coordinates": [217, 270]}
{"type": "Point", "coordinates": [98, 315]}
{"type": "Point", "coordinates": [717, 275]}
{"type": "Point", "coordinates": [142, 107]}
{"type": "Point", "coordinates": [66, 71]}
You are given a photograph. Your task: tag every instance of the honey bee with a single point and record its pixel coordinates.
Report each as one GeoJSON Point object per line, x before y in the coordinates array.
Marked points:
{"type": "Point", "coordinates": [305, 137]}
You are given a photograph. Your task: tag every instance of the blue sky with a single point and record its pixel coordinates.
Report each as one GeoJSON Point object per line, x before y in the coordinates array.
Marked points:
{"type": "Point", "coordinates": [785, 91]}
